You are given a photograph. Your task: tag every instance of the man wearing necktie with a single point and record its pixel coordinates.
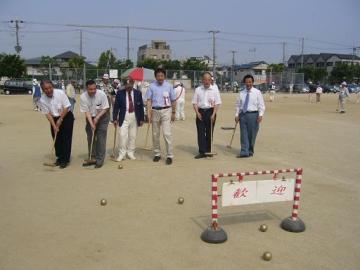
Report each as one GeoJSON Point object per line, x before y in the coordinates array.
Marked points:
{"type": "Point", "coordinates": [250, 108]}
{"type": "Point", "coordinates": [128, 114]}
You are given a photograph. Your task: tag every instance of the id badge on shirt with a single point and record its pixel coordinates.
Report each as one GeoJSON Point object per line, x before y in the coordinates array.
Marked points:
{"type": "Point", "coordinates": [210, 100]}
{"type": "Point", "coordinates": [166, 99]}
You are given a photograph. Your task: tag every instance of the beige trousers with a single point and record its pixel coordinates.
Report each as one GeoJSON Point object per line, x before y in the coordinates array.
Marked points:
{"type": "Point", "coordinates": [127, 132]}
{"type": "Point", "coordinates": [162, 119]}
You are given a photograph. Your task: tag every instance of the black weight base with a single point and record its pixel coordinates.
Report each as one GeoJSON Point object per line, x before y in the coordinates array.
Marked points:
{"type": "Point", "coordinates": [290, 225]}
{"type": "Point", "coordinates": [214, 236]}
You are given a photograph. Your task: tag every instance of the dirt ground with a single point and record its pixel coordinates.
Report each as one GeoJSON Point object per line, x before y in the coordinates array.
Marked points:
{"type": "Point", "coordinates": [52, 219]}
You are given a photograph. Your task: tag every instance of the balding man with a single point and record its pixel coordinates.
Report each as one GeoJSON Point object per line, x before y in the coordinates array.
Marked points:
{"type": "Point", "coordinates": [206, 102]}
{"type": "Point", "coordinates": [55, 105]}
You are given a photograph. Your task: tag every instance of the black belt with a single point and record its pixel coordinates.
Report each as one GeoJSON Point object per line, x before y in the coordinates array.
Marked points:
{"type": "Point", "coordinates": [160, 108]}
{"type": "Point", "coordinates": [250, 112]}
{"type": "Point", "coordinates": [205, 109]}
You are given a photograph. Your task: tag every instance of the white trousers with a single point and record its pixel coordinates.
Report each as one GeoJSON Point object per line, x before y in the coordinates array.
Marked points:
{"type": "Point", "coordinates": [162, 118]}
{"type": "Point", "coordinates": [127, 134]}
{"type": "Point", "coordinates": [180, 110]}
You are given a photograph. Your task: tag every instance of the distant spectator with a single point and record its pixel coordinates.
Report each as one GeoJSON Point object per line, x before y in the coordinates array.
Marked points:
{"type": "Point", "coordinates": [36, 91]}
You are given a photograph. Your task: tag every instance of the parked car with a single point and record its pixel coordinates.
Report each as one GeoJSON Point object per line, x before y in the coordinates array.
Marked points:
{"type": "Point", "coordinates": [301, 88]}
{"type": "Point", "coordinates": [17, 87]}
{"type": "Point", "coordinates": [352, 88]}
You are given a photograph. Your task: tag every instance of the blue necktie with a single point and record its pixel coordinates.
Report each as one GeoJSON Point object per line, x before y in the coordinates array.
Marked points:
{"type": "Point", "coordinates": [246, 103]}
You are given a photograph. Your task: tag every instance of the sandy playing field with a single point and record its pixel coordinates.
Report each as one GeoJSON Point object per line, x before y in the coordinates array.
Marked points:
{"type": "Point", "coordinates": [52, 219]}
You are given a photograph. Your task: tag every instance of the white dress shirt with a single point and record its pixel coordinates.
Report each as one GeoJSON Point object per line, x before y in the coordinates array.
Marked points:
{"type": "Point", "coordinates": [93, 104]}
{"type": "Point", "coordinates": [206, 98]}
{"type": "Point", "coordinates": [55, 104]}
{"type": "Point", "coordinates": [256, 101]}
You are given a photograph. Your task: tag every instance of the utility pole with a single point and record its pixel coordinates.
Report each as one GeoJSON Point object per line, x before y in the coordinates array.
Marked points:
{"type": "Point", "coordinates": [302, 52]}
{"type": "Point", "coordinates": [18, 48]}
{"type": "Point", "coordinates": [128, 42]}
{"type": "Point", "coordinates": [233, 67]}
{"type": "Point", "coordinates": [213, 32]}
{"type": "Point", "coordinates": [81, 43]}
{"type": "Point", "coordinates": [284, 53]}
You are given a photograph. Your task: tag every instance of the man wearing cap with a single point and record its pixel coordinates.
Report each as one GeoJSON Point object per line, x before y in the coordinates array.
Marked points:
{"type": "Point", "coordinates": [250, 108]}
{"type": "Point", "coordinates": [36, 92]}
{"type": "Point", "coordinates": [71, 94]}
{"type": "Point", "coordinates": [180, 101]}
{"type": "Point", "coordinates": [128, 114]}
{"type": "Point", "coordinates": [161, 105]}
{"type": "Point", "coordinates": [106, 86]}
{"type": "Point", "coordinates": [343, 95]}
{"type": "Point", "coordinates": [206, 102]}
{"type": "Point", "coordinates": [94, 104]}
{"type": "Point", "coordinates": [55, 106]}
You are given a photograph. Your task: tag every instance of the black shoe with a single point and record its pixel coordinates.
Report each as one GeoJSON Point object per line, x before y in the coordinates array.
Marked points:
{"type": "Point", "coordinates": [200, 155]}
{"type": "Point", "coordinates": [98, 166]}
{"type": "Point", "coordinates": [168, 161]}
{"type": "Point", "coordinates": [251, 154]}
{"type": "Point", "coordinates": [57, 163]}
{"type": "Point", "coordinates": [63, 165]}
{"type": "Point", "coordinates": [242, 156]}
{"type": "Point", "coordinates": [156, 158]}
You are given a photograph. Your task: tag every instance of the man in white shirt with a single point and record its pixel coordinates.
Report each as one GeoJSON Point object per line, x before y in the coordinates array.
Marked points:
{"type": "Point", "coordinates": [250, 108]}
{"type": "Point", "coordinates": [319, 91]}
{"type": "Point", "coordinates": [94, 104]}
{"type": "Point", "coordinates": [343, 95]}
{"type": "Point", "coordinates": [55, 105]}
{"type": "Point", "coordinates": [180, 101]}
{"type": "Point", "coordinates": [206, 102]}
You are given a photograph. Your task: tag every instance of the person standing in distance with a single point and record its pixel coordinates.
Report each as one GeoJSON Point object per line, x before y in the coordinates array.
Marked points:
{"type": "Point", "coordinates": [161, 105]}
{"type": "Point", "coordinates": [250, 108]}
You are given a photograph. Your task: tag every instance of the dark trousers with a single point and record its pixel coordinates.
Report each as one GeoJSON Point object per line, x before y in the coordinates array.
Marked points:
{"type": "Point", "coordinates": [99, 146]}
{"type": "Point", "coordinates": [64, 138]}
{"type": "Point", "coordinates": [204, 130]}
{"type": "Point", "coordinates": [249, 128]}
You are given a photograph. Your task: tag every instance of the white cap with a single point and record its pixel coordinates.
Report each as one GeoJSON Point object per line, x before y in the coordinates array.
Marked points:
{"type": "Point", "coordinates": [106, 76]}
{"type": "Point", "coordinates": [35, 81]}
{"type": "Point", "coordinates": [343, 83]}
{"type": "Point", "coordinates": [116, 81]}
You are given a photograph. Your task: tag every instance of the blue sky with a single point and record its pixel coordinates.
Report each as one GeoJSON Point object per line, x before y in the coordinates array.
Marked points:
{"type": "Point", "coordinates": [327, 26]}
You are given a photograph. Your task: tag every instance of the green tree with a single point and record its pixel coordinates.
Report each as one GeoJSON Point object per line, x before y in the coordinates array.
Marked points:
{"type": "Point", "coordinates": [313, 74]}
{"type": "Point", "coordinates": [11, 65]}
{"type": "Point", "coordinates": [345, 72]}
{"type": "Point", "coordinates": [107, 59]}
{"type": "Point", "coordinates": [77, 62]}
{"type": "Point", "coordinates": [46, 60]}
{"type": "Point", "coordinates": [276, 68]}
{"type": "Point", "coordinates": [194, 64]}
{"type": "Point", "coordinates": [149, 63]}
{"type": "Point", "coordinates": [124, 64]}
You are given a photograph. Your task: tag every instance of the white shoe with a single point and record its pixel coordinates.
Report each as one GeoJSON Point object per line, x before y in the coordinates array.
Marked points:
{"type": "Point", "coordinates": [131, 156]}
{"type": "Point", "coordinates": [120, 158]}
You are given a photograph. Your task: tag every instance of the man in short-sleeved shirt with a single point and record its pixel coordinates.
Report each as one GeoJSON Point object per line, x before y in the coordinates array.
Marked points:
{"type": "Point", "coordinates": [161, 104]}
{"type": "Point", "coordinates": [206, 102]}
{"type": "Point", "coordinates": [94, 104]}
{"type": "Point", "coordinates": [55, 105]}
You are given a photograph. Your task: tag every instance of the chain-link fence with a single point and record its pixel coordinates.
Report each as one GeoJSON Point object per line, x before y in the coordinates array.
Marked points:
{"type": "Point", "coordinates": [190, 78]}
